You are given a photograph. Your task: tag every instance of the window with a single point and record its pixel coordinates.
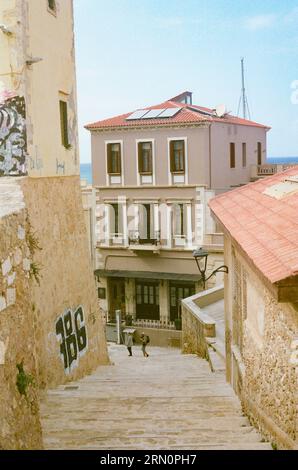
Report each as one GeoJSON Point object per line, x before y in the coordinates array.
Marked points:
{"type": "Point", "coordinates": [259, 153]}
{"type": "Point", "coordinates": [114, 158]}
{"type": "Point", "coordinates": [177, 156]}
{"type": "Point", "coordinates": [232, 155]}
{"type": "Point", "coordinates": [145, 157]}
{"type": "Point", "coordinates": [64, 123]}
{"type": "Point", "coordinates": [243, 154]}
{"type": "Point", "coordinates": [52, 5]}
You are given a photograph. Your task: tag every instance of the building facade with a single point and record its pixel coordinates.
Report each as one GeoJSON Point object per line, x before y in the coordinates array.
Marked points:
{"type": "Point", "coordinates": [51, 330]}
{"type": "Point", "coordinates": [261, 301]}
{"type": "Point", "coordinates": [154, 171]}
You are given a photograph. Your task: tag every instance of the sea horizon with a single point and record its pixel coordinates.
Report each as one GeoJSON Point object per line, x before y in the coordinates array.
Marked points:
{"type": "Point", "coordinates": [86, 170]}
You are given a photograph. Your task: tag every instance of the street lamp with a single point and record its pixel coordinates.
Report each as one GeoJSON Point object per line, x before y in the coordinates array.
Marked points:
{"type": "Point", "coordinates": [201, 256]}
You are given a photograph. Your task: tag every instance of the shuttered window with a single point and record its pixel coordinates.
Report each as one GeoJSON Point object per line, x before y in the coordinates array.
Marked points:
{"type": "Point", "coordinates": [259, 153]}
{"type": "Point", "coordinates": [64, 123]}
{"type": "Point", "coordinates": [177, 156]}
{"type": "Point", "coordinates": [114, 158]}
{"type": "Point", "coordinates": [243, 154]}
{"type": "Point", "coordinates": [232, 155]}
{"type": "Point", "coordinates": [145, 157]}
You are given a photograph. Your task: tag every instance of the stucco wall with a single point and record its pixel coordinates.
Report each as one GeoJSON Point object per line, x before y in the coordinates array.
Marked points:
{"type": "Point", "coordinates": [221, 135]}
{"type": "Point", "coordinates": [262, 373]}
{"type": "Point", "coordinates": [197, 149]}
{"type": "Point", "coordinates": [66, 280]}
{"type": "Point", "coordinates": [19, 412]}
{"type": "Point", "coordinates": [197, 153]}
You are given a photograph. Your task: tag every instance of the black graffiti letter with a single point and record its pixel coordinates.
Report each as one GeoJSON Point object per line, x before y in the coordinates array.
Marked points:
{"type": "Point", "coordinates": [60, 331]}
{"type": "Point", "coordinates": [80, 329]}
{"type": "Point", "coordinates": [71, 342]}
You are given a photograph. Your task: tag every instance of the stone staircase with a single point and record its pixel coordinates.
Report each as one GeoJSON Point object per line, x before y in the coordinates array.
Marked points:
{"type": "Point", "coordinates": [167, 401]}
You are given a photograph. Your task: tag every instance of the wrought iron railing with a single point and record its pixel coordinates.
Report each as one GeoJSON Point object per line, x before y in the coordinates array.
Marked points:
{"type": "Point", "coordinates": [135, 238]}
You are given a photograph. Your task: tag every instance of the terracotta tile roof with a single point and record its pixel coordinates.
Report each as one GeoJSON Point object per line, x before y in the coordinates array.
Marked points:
{"type": "Point", "coordinates": [189, 114]}
{"type": "Point", "coordinates": [266, 228]}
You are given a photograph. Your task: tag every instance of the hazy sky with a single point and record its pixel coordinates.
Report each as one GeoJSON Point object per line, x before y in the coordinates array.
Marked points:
{"type": "Point", "coordinates": [135, 53]}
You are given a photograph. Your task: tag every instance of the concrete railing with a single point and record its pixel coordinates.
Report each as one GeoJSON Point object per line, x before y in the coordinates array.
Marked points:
{"type": "Point", "coordinates": [197, 325]}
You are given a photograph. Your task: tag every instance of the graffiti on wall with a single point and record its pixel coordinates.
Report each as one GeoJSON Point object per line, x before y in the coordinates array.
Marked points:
{"type": "Point", "coordinates": [13, 138]}
{"type": "Point", "coordinates": [71, 332]}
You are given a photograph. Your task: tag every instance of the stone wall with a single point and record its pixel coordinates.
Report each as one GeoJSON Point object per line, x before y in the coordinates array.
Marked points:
{"type": "Point", "coordinates": [69, 329]}
{"type": "Point", "coordinates": [269, 392]}
{"type": "Point", "coordinates": [19, 405]}
{"type": "Point", "coordinates": [193, 334]}
{"type": "Point", "coordinates": [51, 329]}
{"type": "Point", "coordinates": [261, 366]}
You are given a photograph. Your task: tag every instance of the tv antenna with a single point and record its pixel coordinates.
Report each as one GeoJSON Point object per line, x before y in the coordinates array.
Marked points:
{"type": "Point", "coordinates": [243, 98]}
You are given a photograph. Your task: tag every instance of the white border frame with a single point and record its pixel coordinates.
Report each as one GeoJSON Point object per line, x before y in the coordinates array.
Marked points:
{"type": "Point", "coordinates": [153, 162]}
{"type": "Point", "coordinates": [118, 141]}
{"type": "Point", "coordinates": [170, 178]}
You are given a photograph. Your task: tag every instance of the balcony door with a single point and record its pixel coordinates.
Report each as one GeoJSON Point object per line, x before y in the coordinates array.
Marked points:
{"type": "Point", "coordinates": [147, 300]}
{"type": "Point", "coordinates": [146, 224]}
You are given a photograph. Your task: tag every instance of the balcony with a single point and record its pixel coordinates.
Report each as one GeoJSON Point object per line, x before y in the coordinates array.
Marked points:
{"type": "Point", "coordinates": [137, 243]}
{"type": "Point", "coordinates": [261, 171]}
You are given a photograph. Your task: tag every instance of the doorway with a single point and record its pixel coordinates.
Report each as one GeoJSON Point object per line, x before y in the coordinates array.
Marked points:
{"type": "Point", "coordinates": [178, 291]}
{"type": "Point", "coordinates": [116, 297]}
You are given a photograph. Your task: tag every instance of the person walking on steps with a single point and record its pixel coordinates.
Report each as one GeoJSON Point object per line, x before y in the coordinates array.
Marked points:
{"type": "Point", "coordinates": [129, 343]}
{"type": "Point", "coordinates": [144, 340]}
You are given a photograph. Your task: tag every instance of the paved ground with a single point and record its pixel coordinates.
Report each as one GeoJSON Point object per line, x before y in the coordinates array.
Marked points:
{"type": "Point", "coordinates": [167, 401]}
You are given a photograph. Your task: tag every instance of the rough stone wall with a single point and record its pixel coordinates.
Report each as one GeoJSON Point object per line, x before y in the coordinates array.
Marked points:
{"type": "Point", "coordinates": [19, 407]}
{"type": "Point", "coordinates": [193, 334]}
{"type": "Point", "coordinates": [69, 330]}
{"type": "Point", "coordinates": [268, 385]}
{"type": "Point", "coordinates": [270, 379]}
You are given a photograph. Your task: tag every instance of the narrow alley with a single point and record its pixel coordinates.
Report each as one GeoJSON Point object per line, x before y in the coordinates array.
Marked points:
{"type": "Point", "coordinates": [168, 401]}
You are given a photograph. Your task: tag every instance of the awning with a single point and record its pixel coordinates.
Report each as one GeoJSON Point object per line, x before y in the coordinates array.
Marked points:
{"type": "Point", "coordinates": [148, 275]}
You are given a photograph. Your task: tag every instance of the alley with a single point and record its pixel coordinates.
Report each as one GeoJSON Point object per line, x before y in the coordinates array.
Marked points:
{"type": "Point", "coordinates": [168, 401]}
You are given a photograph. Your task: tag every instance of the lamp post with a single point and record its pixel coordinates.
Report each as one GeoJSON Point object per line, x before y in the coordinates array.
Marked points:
{"type": "Point", "coordinates": [201, 256]}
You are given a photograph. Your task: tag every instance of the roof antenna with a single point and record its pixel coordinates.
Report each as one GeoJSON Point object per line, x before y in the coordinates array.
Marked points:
{"type": "Point", "coordinates": [243, 98]}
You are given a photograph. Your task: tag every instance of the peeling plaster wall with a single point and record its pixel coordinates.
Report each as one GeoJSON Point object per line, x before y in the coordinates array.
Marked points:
{"type": "Point", "coordinates": [37, 32]}
{"type": "Point", "coordinates": [50, 319]}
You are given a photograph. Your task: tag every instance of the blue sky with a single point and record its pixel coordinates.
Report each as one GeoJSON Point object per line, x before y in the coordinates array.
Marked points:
{"type": "Point", "coordinates": [134, 53]}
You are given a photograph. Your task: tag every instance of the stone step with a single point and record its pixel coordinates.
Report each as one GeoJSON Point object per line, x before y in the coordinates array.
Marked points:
{"type": "Point", "coordinates": [170, 401]}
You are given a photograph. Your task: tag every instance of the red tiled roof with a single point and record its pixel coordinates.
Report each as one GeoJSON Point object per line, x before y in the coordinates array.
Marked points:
{"type": "Point", "coordinates": [266, 228]}
{"type": "Point", "coordinates": [188, 114]}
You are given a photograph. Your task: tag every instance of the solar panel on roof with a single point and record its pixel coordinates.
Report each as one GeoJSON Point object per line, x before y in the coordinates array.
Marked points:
{"type": "Point", "coordinates": [169, 112]}
{"type": "Point", "coordinates": [153, 113]}
{"type": "Point", "coordinates": [137, 114]}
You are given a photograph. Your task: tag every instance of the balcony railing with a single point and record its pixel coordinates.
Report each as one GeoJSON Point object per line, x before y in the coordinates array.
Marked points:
{"type": "Point", "coordinates": [134, 238]}
{"type": "Point", "coordinates": [259, 171]}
